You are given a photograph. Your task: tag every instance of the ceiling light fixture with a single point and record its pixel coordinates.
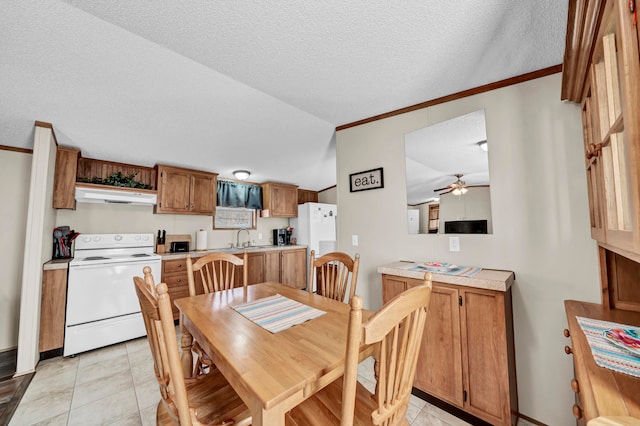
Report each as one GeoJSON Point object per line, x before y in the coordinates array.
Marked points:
{"type": "Point", "coordinates": [242, 174]}
{"type": "Point", "coordinates": [483, 145]}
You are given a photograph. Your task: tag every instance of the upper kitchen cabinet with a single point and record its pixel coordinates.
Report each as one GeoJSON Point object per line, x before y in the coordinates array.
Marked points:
{"type": "Point", "coordinates": [185, 191]}
{"type": "Point", "coordinates": [307, 196]}
{"type": "Point", "coordinates": [279, 200]}
{"type": "Point", "coordinates": [64, 182]}
{"type": "Point", "coordinates": [602, 72]}
{"type": "Point", "coordinates": [72, 170]}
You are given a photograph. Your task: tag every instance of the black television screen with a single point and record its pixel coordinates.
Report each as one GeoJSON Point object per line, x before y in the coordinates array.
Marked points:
{"type": "Point", "coordinates": [466, 227]}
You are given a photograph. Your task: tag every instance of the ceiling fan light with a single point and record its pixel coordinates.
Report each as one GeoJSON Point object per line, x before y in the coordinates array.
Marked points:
{"type": "Point", "coordinates": [456, 191]}
{"type": "Point", "coordinates": [463, 190]}
{"type": "Point", "coordinates": [241, 174]}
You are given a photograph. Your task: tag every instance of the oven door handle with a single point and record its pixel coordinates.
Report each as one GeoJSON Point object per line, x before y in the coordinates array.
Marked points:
{"type": "Point", "coordinates": [145, 262]}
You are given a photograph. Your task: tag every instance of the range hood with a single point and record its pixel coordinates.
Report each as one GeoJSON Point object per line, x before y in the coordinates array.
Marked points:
{"type": "Point", "coordinates": [114, 196]}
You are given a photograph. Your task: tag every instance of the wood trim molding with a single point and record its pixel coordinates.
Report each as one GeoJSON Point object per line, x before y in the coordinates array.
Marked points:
{"type": "Point", "coordinates": [328, 188]}
{"type": "Point", "coordinates": [465, 93]}
{"type": "Point", "coordinates": [47, 126]}
{"type": "Point", "coordinates": [16, 149]}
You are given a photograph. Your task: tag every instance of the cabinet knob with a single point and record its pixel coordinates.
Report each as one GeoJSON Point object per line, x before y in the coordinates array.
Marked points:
{"type": "Point", "coordinates": [567, 350]}
{"type": "Point", "coordinates": [577, 411]}
{"type": "Point", "coordinates": [566, 332]}
{"type": "Point", "coordinates": [575, 387]}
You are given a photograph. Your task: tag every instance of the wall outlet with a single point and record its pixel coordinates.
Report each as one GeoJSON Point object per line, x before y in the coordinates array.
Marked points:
{"type": "Point", "coordinates": [454, 243]}
{"type": "Point", "coordinates": [259, 235]}
{"type": "Point", "coordinates": [354, 240]}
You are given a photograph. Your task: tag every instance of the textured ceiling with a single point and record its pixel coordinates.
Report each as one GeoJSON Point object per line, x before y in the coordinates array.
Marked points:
{"type": "Point", "coordinates": [224, 85]}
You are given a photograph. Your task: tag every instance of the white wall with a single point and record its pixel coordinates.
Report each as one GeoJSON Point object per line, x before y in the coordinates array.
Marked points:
{"type": "Point", "coordinates": [328, 196]}
{"type": "Point", "coordinates": [15, 171]}
{"type": "Point", "coordinates": [540, 222]}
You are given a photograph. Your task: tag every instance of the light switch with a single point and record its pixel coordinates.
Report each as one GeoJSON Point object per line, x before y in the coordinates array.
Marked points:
{"type": "Point", "coordinates": [354, 240]}
{"type": "Point", "coordinates": [259, 235]}
{"type": "Point", "coordinates": [454, 243]}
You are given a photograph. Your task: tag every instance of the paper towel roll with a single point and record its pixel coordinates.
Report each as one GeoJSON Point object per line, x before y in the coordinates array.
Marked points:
{"type": "Point", "coordinates": [201, 240]}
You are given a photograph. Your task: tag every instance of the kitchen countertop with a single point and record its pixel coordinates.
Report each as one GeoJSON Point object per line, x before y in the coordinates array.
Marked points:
{"type": "Point", "coordinates": [489, 279]}
{"type": "Point", "coordinates": [64, 263]}
{"type": "Point", "coordinates": [196, 254]}
{"type": "Point", "coordinates": [56, 264]}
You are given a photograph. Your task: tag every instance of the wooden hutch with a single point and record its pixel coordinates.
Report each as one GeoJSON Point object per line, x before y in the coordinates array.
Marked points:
{"type": "Point", "coordinates": [601, 71]}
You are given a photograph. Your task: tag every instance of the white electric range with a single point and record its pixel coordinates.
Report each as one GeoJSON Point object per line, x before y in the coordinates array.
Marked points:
{"type": "Point", "coordinates": [102, 305]}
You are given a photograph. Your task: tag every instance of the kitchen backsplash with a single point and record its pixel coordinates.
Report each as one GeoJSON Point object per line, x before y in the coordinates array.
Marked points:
{"type": "Point", "coordinates": [114, 218]}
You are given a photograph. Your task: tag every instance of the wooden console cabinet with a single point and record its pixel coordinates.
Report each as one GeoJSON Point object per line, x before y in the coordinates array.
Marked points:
{"type": "Point", "coordinates": [185, 191]}
{"type": "Point", "coordinates": [467, 358]}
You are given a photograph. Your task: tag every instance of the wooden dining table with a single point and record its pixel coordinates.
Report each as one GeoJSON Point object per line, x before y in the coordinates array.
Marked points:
{"type": "Point", "coordinates": [272, 372]}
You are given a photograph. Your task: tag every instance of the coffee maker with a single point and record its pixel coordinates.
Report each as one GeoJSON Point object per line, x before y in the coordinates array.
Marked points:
{"type": "Point", "coordinates": [280, 237]}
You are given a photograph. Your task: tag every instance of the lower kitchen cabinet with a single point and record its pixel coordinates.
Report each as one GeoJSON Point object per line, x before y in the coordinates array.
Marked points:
{"type": "Point", "coordinates": [467, 357]}
{"type": "Point", "coordinates": [52, 309]}
{"type": "Point", "coordinates": [287, 267]}
{"type": "Point", "coordinates": [174, 274]}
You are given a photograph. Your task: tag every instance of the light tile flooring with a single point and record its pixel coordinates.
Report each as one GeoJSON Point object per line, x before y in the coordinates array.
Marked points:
{"type": "Point", "coordinates": [116, 386]}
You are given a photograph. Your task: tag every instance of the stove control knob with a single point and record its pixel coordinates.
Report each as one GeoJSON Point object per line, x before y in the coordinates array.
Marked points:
{"type": "Point", "coordinates": [118, 237]}
{"type": "Point", "coordinates": [97, 238]}
{"type": "Point", "coordinates": [86, 239]}
{"type": "Point", "coordinates": [137, 237]}
{"type": "Point", "coordinates": [145, 238]}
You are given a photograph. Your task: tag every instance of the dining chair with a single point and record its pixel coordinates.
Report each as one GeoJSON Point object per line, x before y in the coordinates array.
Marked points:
{"type": "Point", "coordinates": [397, 330]}
{"type": "Point", "coordinates": [215, 272]}
{"type": "Point", "coordinates": [203, 400]}
{"type": "Point", "coordinates": [334, 273]}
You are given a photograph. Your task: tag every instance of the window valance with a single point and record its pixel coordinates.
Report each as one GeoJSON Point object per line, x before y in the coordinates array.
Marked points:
{"type": "Point", "coordinates": [236, 194]}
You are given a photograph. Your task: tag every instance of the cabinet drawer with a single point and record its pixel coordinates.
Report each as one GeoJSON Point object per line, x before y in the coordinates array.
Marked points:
{"type": "Point", "coordinates": [172, 266]}
{"type": "Point", "coordinates": [176, 280]}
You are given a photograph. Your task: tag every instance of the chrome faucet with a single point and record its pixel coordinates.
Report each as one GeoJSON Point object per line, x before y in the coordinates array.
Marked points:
{"type": "Point", "coordinates": [238, 238]}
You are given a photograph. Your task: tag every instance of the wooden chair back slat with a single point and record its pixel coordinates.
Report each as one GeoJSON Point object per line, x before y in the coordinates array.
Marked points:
{"type": "Point", "coordinates": [217, 271]}
{"type": "Point", "coordinates": [161, 332]}
{"type": "Point", "coordinates": [334, 273]}
{"type": "Point", "coordinates": [397, 330]}
{"type": "Point", "coordinates": [206, 399]}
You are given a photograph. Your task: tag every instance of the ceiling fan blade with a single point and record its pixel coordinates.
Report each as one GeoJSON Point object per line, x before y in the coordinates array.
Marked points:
{"type": "Point", "coordinates": [442, 189]}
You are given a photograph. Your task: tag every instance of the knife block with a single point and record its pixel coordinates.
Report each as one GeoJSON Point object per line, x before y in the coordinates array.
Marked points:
{"type": "Point", "coordinates": [159, 248]}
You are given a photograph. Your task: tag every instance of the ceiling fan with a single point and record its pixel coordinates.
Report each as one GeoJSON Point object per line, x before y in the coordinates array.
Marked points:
{"type": "Point", "coordinates": [459, 187]}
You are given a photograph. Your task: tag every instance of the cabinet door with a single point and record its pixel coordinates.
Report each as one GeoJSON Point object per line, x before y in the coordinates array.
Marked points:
{"type": "Point", "coordinates": [293, 268]}
{"type": "Point", "coordinates": [280, 200]}
{"type": "Point", "coordinates": [52, 309]}
{"type": "Point", "coordinates": [439, 370]}
{"type": "Point", "coordinates": [203, 193]}
{"type": "Point", "coordinates": [173, 190]}
{"type": "Point", "coordinates": [256, 268]}
{"type": "Point", "coordinates": [485, 355]}
{"type": "Point", "coordinates": [272, 266]}
{"type": "Point", "coordinates": [64, 182]}
{"type": "Point", "coordinates": [593, 161]}
{"type": "Point", "coordinates": [392, 286]}
{"type": "Point", "coordinates": [616, 102]}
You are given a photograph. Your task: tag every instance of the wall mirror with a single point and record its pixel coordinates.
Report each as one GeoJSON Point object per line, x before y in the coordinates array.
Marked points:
{"type": "Point", "coordinates": [447, 170]}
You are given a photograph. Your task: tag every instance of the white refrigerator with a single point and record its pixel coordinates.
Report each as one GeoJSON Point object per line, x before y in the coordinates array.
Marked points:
{"type": "Point", "coordinates": [315, 227]}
